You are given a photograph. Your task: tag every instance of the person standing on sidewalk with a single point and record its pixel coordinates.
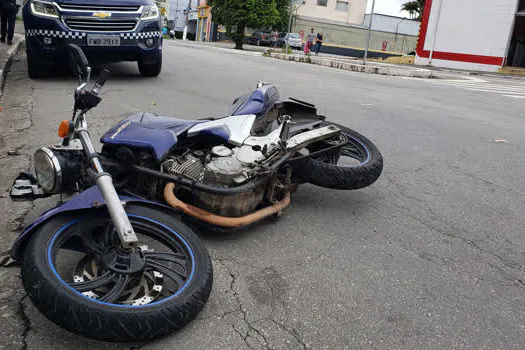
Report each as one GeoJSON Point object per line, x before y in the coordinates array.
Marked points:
{"type": "Point", "coordinates": [319, 43]}
{"type": "Point", "coordinates": [273, 38]}
{"type": "Point", "coordinates": [309, 41]}
{"type": "Point", "coordinates": [8, 11]}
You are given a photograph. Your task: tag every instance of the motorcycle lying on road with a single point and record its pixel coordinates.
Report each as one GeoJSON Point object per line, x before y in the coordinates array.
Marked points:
{"type": "Point", "coordinates": [118, 261]}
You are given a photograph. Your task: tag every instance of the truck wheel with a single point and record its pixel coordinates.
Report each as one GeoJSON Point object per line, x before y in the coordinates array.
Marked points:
{"type": "Point", "coordinates": [36, 68]}
{"type": "Point", "coordinates": [151, 69]}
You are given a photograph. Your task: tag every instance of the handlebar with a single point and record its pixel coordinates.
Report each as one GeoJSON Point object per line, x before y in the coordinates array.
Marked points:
{"type": "Point", "coordinates": [85, 100]}
{"type": "Point", "coordinates": [101, 81]}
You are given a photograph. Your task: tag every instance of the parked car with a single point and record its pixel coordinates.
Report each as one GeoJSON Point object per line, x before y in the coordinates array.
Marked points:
{"type": "Point", "coordinates": [118, 30]}
{"type": "Point", "coordinates": [293, 39]}
{"type": "Point", "coordinates": [262, 38]}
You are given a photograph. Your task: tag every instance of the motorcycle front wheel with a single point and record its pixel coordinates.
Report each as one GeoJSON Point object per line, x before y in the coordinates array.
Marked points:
{"type": "Point", "coordinates": [76, 274]}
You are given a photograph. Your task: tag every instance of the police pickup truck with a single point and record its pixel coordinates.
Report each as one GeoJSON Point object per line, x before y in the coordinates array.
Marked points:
{"type": "Point", "coordinates": [106, 30]}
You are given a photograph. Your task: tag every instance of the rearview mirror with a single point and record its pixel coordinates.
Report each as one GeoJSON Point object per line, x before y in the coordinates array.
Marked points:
{"type": "Point", "coordinates": [78, 62]}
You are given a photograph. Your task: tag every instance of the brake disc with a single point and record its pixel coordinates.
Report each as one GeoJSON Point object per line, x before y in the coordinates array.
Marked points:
{"type": "Point", "coordinates": [337, 140]}
{"type": "Point", "coordinates": [139, 291]}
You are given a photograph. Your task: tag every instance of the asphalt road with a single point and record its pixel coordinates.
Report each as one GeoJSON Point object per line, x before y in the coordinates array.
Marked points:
{"type": "Point", "coordinates": [429, 257]}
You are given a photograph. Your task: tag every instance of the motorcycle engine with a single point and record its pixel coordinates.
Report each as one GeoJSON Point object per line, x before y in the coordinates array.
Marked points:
{"type": "Point", "coordinates": [222, 167]}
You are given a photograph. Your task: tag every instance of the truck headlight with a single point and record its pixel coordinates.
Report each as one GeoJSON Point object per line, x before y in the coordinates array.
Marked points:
{"type": "Point", "coordinates": [150, 12]}
{"type": "Point", "coordinates": [47, 170]}
{"type": "Point", "coordinates": [44, 9]}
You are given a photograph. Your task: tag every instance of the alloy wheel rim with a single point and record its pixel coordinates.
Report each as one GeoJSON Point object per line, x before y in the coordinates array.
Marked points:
{"type": "Point", "coordinates": [165, 274]}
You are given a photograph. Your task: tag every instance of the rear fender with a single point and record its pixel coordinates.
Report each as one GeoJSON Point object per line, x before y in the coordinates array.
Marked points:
{"type": "Point", "coordinates": [90, 199]}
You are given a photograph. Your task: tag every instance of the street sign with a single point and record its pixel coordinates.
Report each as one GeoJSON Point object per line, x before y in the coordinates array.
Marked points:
{"type": "Point", "coordinates": [192, 16]}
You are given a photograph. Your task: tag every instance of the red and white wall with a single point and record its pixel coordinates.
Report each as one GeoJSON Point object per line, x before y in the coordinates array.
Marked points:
{"type": "Point", "coordinates": [470, 34]}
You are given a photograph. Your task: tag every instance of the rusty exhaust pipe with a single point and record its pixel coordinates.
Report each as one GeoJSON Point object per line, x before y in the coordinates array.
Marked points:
{"type": "Point", "coordinates": [223, 221]}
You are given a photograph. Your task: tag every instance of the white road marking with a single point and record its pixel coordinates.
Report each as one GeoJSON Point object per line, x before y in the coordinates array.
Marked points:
{"type": "Point", "coordinates": [511, 89]}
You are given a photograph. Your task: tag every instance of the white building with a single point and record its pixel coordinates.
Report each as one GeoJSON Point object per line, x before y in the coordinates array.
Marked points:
{"type": "Point", "coordinates": [472, 34]}
{"type": "Point", "coordinates": [392, 24]}
{"type": "Point", "coordinates": [346, 11]}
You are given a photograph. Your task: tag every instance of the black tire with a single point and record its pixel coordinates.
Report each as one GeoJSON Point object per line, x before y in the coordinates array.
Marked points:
{"type": "Point", "coordinates": [329, 175]}
{"type": "Point", "coordinates": [113, 322]}
{"type": "Point", "coordinates": [151, 69]}
{"type": "Point", "coordinates": [35, 68]}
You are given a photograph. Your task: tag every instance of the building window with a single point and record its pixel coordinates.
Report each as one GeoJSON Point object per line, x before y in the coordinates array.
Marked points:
{"type": "Point", "coordinates": [322, 3]}
{"type": "Point", "coordinates": [341, 6]}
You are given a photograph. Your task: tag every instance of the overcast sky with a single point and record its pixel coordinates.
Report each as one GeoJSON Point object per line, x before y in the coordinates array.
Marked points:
{"type": "Point", "coordinates": [388, 7]}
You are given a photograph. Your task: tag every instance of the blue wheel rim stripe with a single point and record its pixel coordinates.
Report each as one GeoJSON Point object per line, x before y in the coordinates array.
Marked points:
{"type": "Point", "coordinates": [57, 275]}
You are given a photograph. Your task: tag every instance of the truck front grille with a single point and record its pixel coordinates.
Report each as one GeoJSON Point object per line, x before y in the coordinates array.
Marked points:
{"type": "Point", "coordinates": [101, 25]}
{"type": "Point", "coordinates": [94, 8]}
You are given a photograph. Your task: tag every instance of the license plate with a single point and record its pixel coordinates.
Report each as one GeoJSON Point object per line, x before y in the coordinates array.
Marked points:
{"type": "Point", "coordinates": [103, 40]}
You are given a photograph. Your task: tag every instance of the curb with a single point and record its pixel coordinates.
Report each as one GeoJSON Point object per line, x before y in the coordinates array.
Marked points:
{"type": "Point", "coordinates": [18, 41]}
{"type": "Point", "coordinates": [481, 74]}
{"type": "Point", "coordinates": [355, 67]}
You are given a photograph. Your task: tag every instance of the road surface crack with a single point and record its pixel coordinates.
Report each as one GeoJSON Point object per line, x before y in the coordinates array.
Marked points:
{"type": "Point", "coordinates": [25, 321]}
{"type": "Point", "coordinates": [504, 274]}
{"type": "Point", "coordinates": [30, 109]}
{"type": "Point", "coordinates": [292, 331]}
{"type": "Point", "coordinates": [244, 316]}
{"type": "Point", "coordinates": [449, 232]}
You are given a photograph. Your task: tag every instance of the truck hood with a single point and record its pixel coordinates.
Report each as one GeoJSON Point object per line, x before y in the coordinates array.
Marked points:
{"type": "Point", "coordinates": [106, 2]}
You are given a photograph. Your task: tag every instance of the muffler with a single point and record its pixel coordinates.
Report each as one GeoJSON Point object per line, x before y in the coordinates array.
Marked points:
{"type": "Point", "coordinates": [223, 221]}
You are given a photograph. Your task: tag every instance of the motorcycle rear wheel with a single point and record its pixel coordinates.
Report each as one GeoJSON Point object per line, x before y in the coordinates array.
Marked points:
{"type": "Point", "coordinates": [357, 166]}
{"type": "Point", "coordinates": [102, 299]}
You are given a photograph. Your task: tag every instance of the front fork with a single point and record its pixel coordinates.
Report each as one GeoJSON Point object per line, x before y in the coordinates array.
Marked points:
{"type": "Point", "coordinates": [127, 236]}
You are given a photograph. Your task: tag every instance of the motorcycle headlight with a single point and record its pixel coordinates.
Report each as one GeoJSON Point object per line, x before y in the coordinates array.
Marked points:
{"type": "Point", "coordinates": [47, 170]}
{"type": "Point", "coordinates": [150, 12]}
{"type": "Point", "coordinates": [44, 9]}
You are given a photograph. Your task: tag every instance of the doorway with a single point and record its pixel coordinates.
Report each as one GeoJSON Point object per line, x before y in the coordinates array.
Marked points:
{"type": "Point", "coordinates": [516, 54]}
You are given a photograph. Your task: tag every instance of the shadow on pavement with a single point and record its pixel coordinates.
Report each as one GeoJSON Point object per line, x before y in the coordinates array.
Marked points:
{"type": "Point", "coordinates": [122, 71]}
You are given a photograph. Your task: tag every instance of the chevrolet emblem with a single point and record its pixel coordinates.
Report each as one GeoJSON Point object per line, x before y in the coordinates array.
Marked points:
{"type": "Point", "coordinates": [101, 14]}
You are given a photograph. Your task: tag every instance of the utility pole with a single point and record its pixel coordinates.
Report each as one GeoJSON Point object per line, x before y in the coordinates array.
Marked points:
{"type": "Point", "coordinates": [397, 30]}
{"type": "Point", "coordinates": [289, 25]}
{"type": "Point", "coordinates": [176, 19]}
{"type": "Point", "coordinates": [369, 32]}
{"type": "Point", "coordinates": [185, 31]}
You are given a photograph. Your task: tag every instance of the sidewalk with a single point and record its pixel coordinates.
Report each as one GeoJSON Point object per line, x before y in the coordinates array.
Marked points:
{"type": "Point", "coordinates": [356, 65]}
{"type": "Point", "coordinates": [6, 56]}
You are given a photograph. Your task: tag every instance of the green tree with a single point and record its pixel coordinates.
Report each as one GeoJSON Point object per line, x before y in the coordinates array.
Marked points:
{"type": "Point", "coordinates": [414, 8]}
{"type": "Point", "coordinates": [237, 15]}
{"type": "Point", "coordinates": [283, 6]}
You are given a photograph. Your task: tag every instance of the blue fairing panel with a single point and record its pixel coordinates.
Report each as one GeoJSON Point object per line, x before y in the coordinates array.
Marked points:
{"type": "Point", "coordinates": [88, 199]}
{"type": "Point", "coordinates": [259, 102]}
{"type": "Point", "coordinates": [148, 131]}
